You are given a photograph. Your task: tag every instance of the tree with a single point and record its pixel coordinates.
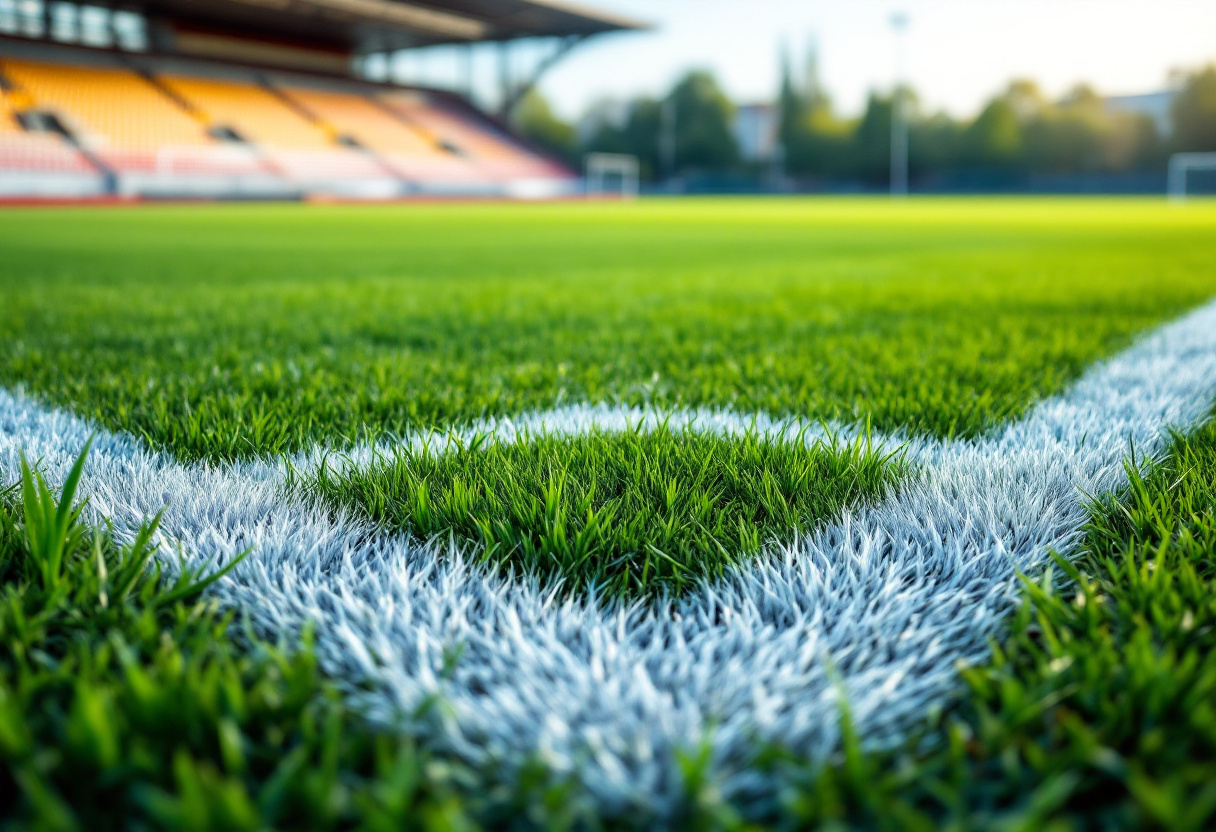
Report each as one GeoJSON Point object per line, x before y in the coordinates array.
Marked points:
{"type": "Point", "coordinates": [535, 119]}
{"type": "Point", "coordinates": [995, 138]}
{"type": "Point", "coordinates": [822, 144]}
{"type": "Point", "coordinates": [790, 108]}
{"type": "Point", "coordinates": [636, 133]}
{"type": "Point", "coordinates": [935, 144]}
{"type": "Point", "coordinates": [1018, 133]}
{"type": "Point", "coordinates": [871, 145]}
{"type": "Point", "coordinates": [705, 141]}
{"type": "Point", "coordinates": [1194, 112]}
{"type": "Point", "coordinates": [814, 140]}
{"type": "Point", "coordinates": [1080, 135]}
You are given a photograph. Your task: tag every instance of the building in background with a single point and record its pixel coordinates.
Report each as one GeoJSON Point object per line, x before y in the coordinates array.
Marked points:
{"type": "Point", "coordinates": [1155, 105]}
{"type": "Point", "coordinates": [756, 132]}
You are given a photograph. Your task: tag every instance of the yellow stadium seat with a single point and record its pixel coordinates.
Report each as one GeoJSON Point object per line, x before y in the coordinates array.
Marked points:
{"type": "Point", "coordinates": [108, 109]}
{"type": "Point", "coordinates": [8, 120]}
{"type": "Point", "coordinates": [363, 120]}
{"type": "Point", "coordinates": [451, 128]}
{"type": "Point", "coordinates": [256, 114]}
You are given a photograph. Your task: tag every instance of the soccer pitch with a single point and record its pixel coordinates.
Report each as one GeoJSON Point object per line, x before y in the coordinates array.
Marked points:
{"type": "Point", "coordinates": [690, 512]}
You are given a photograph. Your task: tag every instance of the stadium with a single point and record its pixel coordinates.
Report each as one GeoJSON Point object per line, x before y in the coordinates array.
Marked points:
{"type": "Point", "coordinates": [363, 467]}
{"type": "Point", "coordinates": [249, 100]}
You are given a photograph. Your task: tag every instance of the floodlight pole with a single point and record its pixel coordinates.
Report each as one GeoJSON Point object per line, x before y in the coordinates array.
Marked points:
{"type": "Point", "coordinates": [899, 116]}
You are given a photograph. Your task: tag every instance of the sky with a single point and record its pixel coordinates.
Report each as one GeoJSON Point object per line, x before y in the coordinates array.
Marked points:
{"type": "Point", "coordinates": [957, 53]}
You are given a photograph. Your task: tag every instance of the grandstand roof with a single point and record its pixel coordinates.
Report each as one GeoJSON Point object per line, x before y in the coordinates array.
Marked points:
{"type": "Point", "coordinates": [377, 25]}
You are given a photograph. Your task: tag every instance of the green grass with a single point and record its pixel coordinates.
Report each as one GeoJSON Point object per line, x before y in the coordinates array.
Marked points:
{"type": "Point", "coordinates": [1099, 709]}
{"type": "Point", "coordinates": [228, 332]}
{"type": "Point", "coordinates": [225, 332]}
{"type": "Point", "coordinates": [126, 703]}
{"type": "Point", "coordinates": [630, 514]}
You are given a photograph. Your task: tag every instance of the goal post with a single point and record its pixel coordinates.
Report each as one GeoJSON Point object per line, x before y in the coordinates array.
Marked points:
{"type": "Point", "coordinates": [1182, 164]}
{"type": "Point", "coordinates": [604, 170]}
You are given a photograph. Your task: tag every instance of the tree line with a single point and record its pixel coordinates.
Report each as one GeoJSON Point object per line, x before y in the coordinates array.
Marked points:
{"type": "Point", "coordinates": [1020, 132]}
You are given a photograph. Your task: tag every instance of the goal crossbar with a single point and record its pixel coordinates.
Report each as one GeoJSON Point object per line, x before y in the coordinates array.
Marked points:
{"type": "Point", "coordinates": [1183, 163]}
{"type": "Point", "coordinates": [604, 167]}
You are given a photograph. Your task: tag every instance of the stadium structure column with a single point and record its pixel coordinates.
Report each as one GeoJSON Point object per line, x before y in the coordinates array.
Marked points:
{"type": "Point", "coordinates": [564, 46]}
{"type": "Point", "coordinates": [504, 78]}
{"type": "Point", "coordinates": [469, 73]}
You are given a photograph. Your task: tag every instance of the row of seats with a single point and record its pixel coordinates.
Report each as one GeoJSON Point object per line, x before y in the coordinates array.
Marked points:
{"type": "Point", "coordinates": [33, 152]}
{"type": "Point", "coordinates": [174, 124]}
{"type": "Point", "coordinates": [8, 119]}
{"type": "Point", "coordinates": [254, 112]}
{"type": "Point", "coordinates": [113, 107]}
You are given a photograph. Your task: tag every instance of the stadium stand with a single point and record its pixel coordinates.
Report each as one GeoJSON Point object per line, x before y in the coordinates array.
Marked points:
{"type": "Point", "coordinates": [231, 99]}
{"type": "Point", "coordinates": [302, 152]}
{"type": "Point", "coordinates": [8, 119]}
{"type": "Point", "coordinates": [39, 162]}
{"type": "Point", "coordinates": [114, 112]}
{"type": "Point", "coordinates": [352, 117]}
{"type": "Point", "coordinates": [128, 131]}
{"type": "Point", "coordinates": [252, 112]}
{"type": "Point", "coordinates": [496, 155]}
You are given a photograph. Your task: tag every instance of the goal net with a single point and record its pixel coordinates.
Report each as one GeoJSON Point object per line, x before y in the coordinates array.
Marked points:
{"type": "Point", "coordinates": [612, 174]}
{"type": "Point", "coordinates": [1182, 165]}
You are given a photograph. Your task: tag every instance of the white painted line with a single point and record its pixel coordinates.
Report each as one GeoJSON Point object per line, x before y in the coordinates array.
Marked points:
{"type": "Point", "coordinates": [581, 419]}
{"type": "Point", "coordinates": [880, 605]}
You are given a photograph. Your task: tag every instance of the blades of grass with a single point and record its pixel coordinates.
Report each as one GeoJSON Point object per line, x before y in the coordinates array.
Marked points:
{"type": "Point", "coordinates": [188, 586]}
{"type": "Point", "coordinates": [64, 515]}
{"type": "Point", "coordinates": [51, 523]}
{"type": "Point", "coordinates": [582, 507]}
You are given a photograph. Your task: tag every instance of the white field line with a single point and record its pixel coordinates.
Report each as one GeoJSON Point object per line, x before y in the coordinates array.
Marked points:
{"type": "Point", "coordinates": [879, 606]}
{"type": "Point", "coordinates": [580, 419]}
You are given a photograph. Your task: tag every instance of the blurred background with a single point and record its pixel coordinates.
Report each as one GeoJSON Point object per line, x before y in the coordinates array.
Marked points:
{"type": "Point", "coordinates": [376, 99]}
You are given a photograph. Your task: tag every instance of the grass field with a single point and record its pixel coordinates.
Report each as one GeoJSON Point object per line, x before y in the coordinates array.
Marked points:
{"type": "Point", "coordinates": [236, 334]}
{"type": "Point", "coordinates": [225, 332]}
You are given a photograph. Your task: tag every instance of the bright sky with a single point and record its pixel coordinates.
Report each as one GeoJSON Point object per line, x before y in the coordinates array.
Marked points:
{"type": "Point", "coordinates": [958, 52]}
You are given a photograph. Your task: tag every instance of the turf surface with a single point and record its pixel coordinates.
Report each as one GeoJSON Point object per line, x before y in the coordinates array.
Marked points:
{"type": "Point", "coordinates": [1096, 711]}
{"type": "Point", "coordinates": [630, 514]}
{"type": "Point", "coordinates": [230, 331]}
{"type": "Point", "coordinates": [125, 702]}
{"type": "Point", "coordinates": [223, 333]}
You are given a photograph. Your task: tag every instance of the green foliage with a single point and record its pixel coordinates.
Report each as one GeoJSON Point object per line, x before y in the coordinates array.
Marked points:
{"type": "Point", "coordinates": [1194, 112]}
{"type": "Point", "coordinates": [126, 703]}
{"type": "Point", "coordinates": [223, 333]}
{"type": "Point", "coordinates": [702, 121]}
{"type": "Point", "coordinates": [995, 137]}
{"type": "Point", "coordinates": [534, 118]}
{"type": "Point", "coordinates": [1080, 134]}
{"type": "Point", "coordinates": [1096, 712]}
{"type": "Point", "coordinates": [633, 514]}
{"type": "Point", "coordinates": [633, 131]}
{"type": "Point", "coordinates": [703, 116]}
{"type": "Point", "coordinates": [1017, 133]}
